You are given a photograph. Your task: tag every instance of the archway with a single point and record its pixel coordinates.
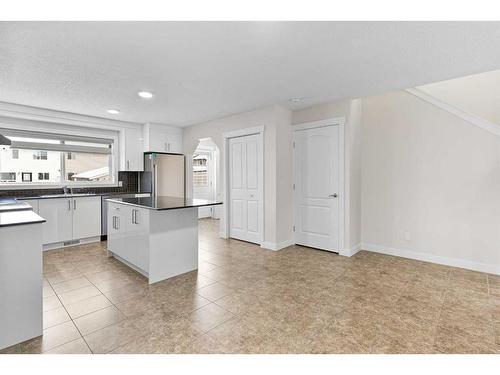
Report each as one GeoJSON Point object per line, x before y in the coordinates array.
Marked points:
{"type": "Point", "coordinates": [205, 176]}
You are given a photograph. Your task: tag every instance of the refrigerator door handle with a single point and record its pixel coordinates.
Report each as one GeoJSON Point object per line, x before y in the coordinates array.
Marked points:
{"type": "Point", "coordinates": [155, 180]}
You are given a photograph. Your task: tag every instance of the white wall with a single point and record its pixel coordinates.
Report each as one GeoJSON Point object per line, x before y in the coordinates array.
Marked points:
{"type": "Point", "coordinates": [353, 172]}
{"type": "Point", "coordinates": [284, 176]}
{"type": "Point", "coordinates": [276, 221]}
{"type": "Point", "coordinates": [430, 184]}
{"type": "Point", "coordinates": [351, 110]}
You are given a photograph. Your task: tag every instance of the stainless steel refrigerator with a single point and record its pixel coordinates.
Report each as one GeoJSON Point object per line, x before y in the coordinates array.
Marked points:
{"type": "Point", "coordinates": [164, 174]}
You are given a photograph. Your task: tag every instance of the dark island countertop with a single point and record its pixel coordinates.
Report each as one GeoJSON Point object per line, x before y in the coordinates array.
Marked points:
{"type": "Point", "coordinates": [13, 213]}
{"type": "Point", "coordinates": [19, 217]}
{"type": "Point", "coordinates": [161, 203]}
{"type": "Point", "coordinates": [11, 204]}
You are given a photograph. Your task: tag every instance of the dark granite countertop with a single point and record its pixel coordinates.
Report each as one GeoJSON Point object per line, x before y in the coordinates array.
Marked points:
{"type": "Point", "coordinates": [161, 203]}
{"type": "Point", "coordinates": [11, 204]}
{"type": "Point", "coordinates": [56, 196]}
{"type": "Point", "coordinates": [75, 195]}
{"type": "Point", "coordinates": [19, 217]}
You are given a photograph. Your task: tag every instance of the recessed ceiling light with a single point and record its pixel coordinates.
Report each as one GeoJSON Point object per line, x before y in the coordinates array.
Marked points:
{"type": "Point", "coordinates": [145, 94]}
{"type": "Point", "coordinates": [113, 111]}
{"type": "Point", "coordinates": [295, 100]}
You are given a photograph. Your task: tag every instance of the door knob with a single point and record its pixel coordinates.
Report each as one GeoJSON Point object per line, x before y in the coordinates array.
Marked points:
{"type": "Point", "coordinates": [333, 195]}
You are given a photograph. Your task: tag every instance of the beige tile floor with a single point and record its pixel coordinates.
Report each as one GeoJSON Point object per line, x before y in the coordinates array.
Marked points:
{"type": "Point", "coordinates": [244, 299]}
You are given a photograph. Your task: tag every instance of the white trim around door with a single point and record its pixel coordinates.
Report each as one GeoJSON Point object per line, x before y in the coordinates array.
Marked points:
{"type": "Point", "coordinates": [259, 131]}
{"type": "Point", "coordinates": [340, 122]}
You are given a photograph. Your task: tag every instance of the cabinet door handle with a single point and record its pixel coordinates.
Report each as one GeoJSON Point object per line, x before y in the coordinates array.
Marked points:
{"type": "Point", "coordinates": [74, 204]}
{"type": "Point", "coordinates": [128, 165]}
{"type": "Point", "coordinates": [113, 225]}
{"type": "Point", "coordinates": [133, 216]}
{"type": "Point", "coordinates": [117, 223]}
{"type": "Point", "coordinates": [69, 205]}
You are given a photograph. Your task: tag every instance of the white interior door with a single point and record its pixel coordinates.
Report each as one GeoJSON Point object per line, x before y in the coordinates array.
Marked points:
{"type": "Point", "coordinates": [245, 188]}
{"type": "Point", "coordinates": [316, 166]}
{"type": "Point", "coordinates": [203, 187]}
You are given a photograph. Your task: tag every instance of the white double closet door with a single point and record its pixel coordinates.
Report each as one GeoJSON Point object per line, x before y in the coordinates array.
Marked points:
{"type": "Point", "coordinates": [245, 188]}
{"type": "Point", "coordinates": [316, 154]}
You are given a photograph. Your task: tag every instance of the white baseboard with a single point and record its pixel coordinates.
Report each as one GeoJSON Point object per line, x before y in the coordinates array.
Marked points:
{"type": "Point", "coordinates": [350, 252]}
{"type": "Point", "coordinates": [276, 246]}
{"type": "Point", "coordinates": [427, 257]}
{"type": "Point", "coordinates": [60, 245]}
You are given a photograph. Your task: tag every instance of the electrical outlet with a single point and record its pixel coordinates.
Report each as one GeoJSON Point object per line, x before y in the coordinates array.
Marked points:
{"type": "Point", "coordinates": [120, 183]}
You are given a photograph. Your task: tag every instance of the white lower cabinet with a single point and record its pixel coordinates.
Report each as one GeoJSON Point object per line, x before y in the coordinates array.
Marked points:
{"type": "Point", "coordinates": [139, 240]}
{"type": "Point", "coordinates": [128, 234]}
{"type": "Point", "coordinates": [86, 217]}
{"type": "Point", "coordinates": [59, 215]}
{"type": "Point", "coordinates": [116, 232]}
{"type": "Point", "coordinates": [70, 218]}
{"type": "Point", "coordinates": [32, 202]}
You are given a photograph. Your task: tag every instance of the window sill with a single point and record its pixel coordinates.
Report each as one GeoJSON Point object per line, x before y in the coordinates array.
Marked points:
{"type": "Point", "coordinates": [56, 186]}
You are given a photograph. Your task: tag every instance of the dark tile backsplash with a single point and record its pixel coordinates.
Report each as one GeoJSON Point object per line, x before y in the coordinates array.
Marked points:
{"type": "Point", "coordinates": [130, 183]}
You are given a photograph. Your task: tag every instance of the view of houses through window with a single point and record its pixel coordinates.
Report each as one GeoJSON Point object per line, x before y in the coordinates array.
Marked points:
{"type": "Point", "coordinates": [200, 170]}
{"type": "Point", "coordinates": [54, 161]}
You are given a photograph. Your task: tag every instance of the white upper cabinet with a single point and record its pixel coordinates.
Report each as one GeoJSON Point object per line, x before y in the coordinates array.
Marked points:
{"type": "Point", "coordinates": [131, 150]}
{"type": "Point", "coordinates": [162, 138]}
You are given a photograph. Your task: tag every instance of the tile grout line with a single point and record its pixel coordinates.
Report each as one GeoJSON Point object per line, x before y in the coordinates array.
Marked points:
{"type": "Point", "coordinates": [112, 304]}
{"type": "Point", "coordinates": [72, 321]}
{"type": "Point", "coordinates": [448, 279]}
{"type": "Point", "coordinates": [492, 320]}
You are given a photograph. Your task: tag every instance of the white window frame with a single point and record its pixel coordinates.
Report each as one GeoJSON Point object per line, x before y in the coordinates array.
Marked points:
{"type": "Point", "coordinates": [77, 132]}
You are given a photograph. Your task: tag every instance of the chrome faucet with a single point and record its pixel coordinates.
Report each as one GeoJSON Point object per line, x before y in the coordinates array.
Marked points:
{"type": "Point", "coordinates": [65, 189]}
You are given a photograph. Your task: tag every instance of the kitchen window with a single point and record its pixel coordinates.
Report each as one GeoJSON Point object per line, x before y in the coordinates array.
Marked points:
{"type": "Point", "coordinates": [55, 159]}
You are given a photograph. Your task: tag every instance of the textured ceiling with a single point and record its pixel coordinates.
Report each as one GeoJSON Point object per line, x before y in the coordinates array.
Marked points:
{"type": "Point", "coordinates": [204, 70]}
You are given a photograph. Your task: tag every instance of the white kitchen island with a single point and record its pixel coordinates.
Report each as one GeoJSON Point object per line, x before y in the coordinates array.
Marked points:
{"type": "Point", "coordinates": [156, 236]}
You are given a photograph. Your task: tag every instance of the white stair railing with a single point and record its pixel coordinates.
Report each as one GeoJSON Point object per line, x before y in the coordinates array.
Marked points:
{"type": "Point", "coordinates": [466, 116]}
